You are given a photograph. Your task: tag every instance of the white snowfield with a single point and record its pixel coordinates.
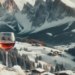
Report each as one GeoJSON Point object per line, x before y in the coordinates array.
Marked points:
{"type": "Point", "coordinates": [54, 24]}
{"type": "Point", "coordinates": [73, 30]}
{"type": "Point", "coordinates": [66, 59]}
{"type": "Point", "coordinates": [22, 19]}
{"type": "Point", "coordinates": [16, 70]}
{"type": "Point", "coordinates": [69, 3]}
{"type": "Point", "coordinates": [68, 72]}
{"type": "Point", "coordinates": [40, 70]}
{"type": "Point", "coordinates": [50, 34]}
{"type": "Point", "coordinates": [47, 73]}
{"type": "Point", "coordinates": [65, 47]}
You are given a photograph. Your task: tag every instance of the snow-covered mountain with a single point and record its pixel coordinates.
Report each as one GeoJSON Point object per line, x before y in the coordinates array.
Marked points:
{"type": "Point", "coordinates": [40, 18]}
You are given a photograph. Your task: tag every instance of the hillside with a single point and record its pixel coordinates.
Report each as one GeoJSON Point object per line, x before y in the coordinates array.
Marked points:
{"type": "Point", "coordinates": [65, 59]}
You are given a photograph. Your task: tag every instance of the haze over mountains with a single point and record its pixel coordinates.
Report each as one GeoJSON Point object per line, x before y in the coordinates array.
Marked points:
{"type": "Point", "coordinates": [52, 21]}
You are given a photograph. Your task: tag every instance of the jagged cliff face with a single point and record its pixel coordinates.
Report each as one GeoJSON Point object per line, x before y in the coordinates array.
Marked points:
{"type": "Point", "coordinates": [49, 10]}
{"type": "Point", "coordinates": [10, 5]}
{"type": "Point", "coordinates": [50, 16]}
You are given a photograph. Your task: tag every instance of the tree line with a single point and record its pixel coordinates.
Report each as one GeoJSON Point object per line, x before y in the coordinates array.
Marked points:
{"type": "Point", "coordinates": [16, 59]}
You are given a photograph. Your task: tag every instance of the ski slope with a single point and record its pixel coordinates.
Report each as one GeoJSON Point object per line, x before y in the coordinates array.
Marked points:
{"type": "Point", "coordinates": [40, 51]}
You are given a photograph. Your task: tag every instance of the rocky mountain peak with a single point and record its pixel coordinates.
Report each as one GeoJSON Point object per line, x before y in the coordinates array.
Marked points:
{"type": "Point", "coordinates": [11, 6]}
{"type": "Point", "coordinates": [26, 7]}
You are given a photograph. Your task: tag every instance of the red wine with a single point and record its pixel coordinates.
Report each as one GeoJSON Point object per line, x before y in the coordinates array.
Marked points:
{"type": "Point", "coordinates": [7, 46]}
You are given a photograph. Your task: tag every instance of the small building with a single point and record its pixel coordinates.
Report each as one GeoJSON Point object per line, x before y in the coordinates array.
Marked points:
{"type": "Point", "coordinates": [38, 71]}
{"type": "Point", "coordinates": [66, 72]}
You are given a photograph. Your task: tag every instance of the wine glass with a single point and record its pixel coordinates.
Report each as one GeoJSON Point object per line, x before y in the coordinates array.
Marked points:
{"type": "Point", "coordinates": [7, 41]}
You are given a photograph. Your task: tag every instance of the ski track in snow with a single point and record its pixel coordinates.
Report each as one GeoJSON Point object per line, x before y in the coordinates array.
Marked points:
{"type": "Point", "coordinates": [70, 23]}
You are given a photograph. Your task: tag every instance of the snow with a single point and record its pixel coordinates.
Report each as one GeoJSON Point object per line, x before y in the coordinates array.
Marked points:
{"type": "Point", "coordinates": [40, 51]}
{"type": "Point", "coordinates": [16, 70]}
{"type": "Point", "coordinates": [50, 34]}
{"type": "Point", "coordinates": [73, 30]}
{"type": "Point", "coordinates": [47, 73]}
{"type": "Point", "coordinates": [22, 19]}
{"type": "Point", "coordinates": [40, 70]}
{"type": "Point", "coordinates": [67, 60]}
{"type": "Point", "coordinates": [73, 74]}
{"type": "Point", "coordinates": [70, 23]}
{"type": "Point", "coordinates": [54, 24]}
{"type": "Point", "coordinates": [69, 3]}
{"type": "Point", "coordinates": [69, 72]}
{"type": "Point", "coordinates": [5, 72]}
{"type": "Point", "coordinates": [65, 47]}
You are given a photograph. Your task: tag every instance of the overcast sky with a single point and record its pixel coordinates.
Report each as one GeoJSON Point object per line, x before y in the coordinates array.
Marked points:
{"type": "Point", "coordinates": [20, 3]}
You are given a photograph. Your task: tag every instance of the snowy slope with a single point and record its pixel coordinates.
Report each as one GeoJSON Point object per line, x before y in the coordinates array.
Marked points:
{"type": "Point", "coordinates": [22, 18]}
{"type": "Point", "coordinates": [65, 47]}
{"type": "Point", "coordinates": [45, 58]}
{"type": "Point", "coordinates": [15, 70]}
{"type": "Point", "coordinates": [69, 3]}
{"type": "Point", "coordinates": [54, 24]}
{"type": "Point", "coordinates": [47, 73]}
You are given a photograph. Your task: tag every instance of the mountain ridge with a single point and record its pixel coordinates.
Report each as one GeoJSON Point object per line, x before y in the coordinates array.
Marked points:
{"type": "Point", "coordinates": [44, 15]}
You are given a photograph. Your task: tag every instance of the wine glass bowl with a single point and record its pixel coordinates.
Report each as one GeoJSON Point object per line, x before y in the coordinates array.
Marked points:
{"type": "Point", "coordinates": [7, 40]}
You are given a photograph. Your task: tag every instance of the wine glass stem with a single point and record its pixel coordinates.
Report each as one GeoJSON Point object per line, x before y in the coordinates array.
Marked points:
{"type": "Point", "coordinates": [6, 60]}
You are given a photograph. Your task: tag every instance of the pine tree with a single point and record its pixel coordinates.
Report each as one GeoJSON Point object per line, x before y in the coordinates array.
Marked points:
{"type": "Point", "coordinates": [40, 66]}
{"type": "Point", "coordinates": [23, 65]}
{"type": "Point", "coordinates": [52, 70]}
{"type": "Point", "coordinates": [62, 67]}
{"type": "Point", "coordinates": [15, 49]}
{"type": "Point", "coordinates": [37, 66]}
{"type": "Point", "coordinates": [40, 58]}
{"type": "Point", "coordinates": [36, 59]}
{"type": "Point", "coordinates": [57, 68]}
{"type": "Point", "coordinates": [33, 65]}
